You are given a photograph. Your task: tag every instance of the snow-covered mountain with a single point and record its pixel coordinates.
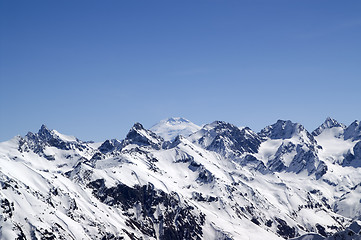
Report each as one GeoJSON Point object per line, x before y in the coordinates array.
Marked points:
{"type": "Point", "coordinates": [226, 139]}
{"type": "Point", "coordinates": [170, 128]}
{"type": "Point", "coordinates": [290, 147]}
{"type": "Point", "coordinates": [332, 125]}
{"type": "Point", "coordinates": [181, 181]}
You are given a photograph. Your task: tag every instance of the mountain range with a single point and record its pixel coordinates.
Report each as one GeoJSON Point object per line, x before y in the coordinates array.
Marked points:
{"type": "Point", "coordinates": [178, 180]}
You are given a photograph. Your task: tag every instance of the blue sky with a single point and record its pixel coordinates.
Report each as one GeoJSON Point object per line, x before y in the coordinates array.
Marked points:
{"type": "Point", "coordinates": [93, 68]}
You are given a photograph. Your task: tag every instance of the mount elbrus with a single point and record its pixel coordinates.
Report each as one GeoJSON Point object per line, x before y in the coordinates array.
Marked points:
{"type": "Point", "coordinates": [178, 180]}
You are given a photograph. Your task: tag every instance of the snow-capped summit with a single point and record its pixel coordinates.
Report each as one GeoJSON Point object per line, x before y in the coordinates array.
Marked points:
{"type": "Point", "coordinates": [143, 137]}
{"type": "Point", "coordinates": [336, 141]}
{"type": "Point", "coordinates": [46, 137]}
{"type": "Point", "coordinates": [282, 129]}
{"type": "Point", "coordinates": [177, 120]}
{"type": "Point", "coordinates": [227, 139]}
{"type": "Point", "coordinates": [353, 131]}
{"type": "Point", "coordinates": [46, 134]}
{"type": "Point", "coordinates": [293, 149]}
{"type": "Point", "coordinates": [286, 130]}
{"type": "Point", "coordinates": [170, 128]}
{"type": "Point", "coordinates": [328, 124]}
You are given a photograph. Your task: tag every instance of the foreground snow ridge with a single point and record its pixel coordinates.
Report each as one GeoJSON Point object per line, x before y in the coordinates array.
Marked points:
{"type": "Point", "coordinates": [178, 180]}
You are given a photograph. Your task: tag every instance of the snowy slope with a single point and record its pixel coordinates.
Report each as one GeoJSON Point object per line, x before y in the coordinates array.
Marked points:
{"type": "Point", "coordinates": [221, 182]}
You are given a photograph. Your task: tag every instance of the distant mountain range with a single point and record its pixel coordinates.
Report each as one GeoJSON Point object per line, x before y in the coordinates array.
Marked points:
{"type": "Point", "coordinates": [178, 180]}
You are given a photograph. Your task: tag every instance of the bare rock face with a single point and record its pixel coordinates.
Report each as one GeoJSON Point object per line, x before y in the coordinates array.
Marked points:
{"type": "Point", "coordinates": [353, 131]}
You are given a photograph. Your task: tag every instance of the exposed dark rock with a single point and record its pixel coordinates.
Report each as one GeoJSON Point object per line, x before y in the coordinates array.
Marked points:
{"type": "Point", "coordinates": [321, 230]}
{"type": "Point", "coordinates": [321, 170]}
{"type": "Point", "coordinates": [204, 175]}
{"type": "Point", "coordinates": [277, 164]}
{"type": "Point", "coordinates": [7, 208]}
{"type": "Point", "coordinates": [179, 220]}
{"type": "Point", "coordinates": [143, 137]}
{"type": "Point", "coordinates": [284, 230]}
{"type": "Point", "coordinates": [286, 130]}
{"type": "Point", "coordinates": [199, 197]}
{"type": "Point", "coordinates": [110, 145]}
{"type": "Point", "coordinates": [353, 131]}
{"type": "Point", "coordinates": [255, 221]}
{"type": "Point", "coordinates": [254, 163]}
{"type": "Point", "coordinates": [269, 223]}
{"type": "Point", "coordinates": [45, 137]}
{"type": "Point", "coordinates": [228, 140]}
{"type": "Point", "coordinates": [21, 235]}
{"type": "Point", "coordinates": [353, 160]}
{"type": "Point", "coordinates": [304, 159]}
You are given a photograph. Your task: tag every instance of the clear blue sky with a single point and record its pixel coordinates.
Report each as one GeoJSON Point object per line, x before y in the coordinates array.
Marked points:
{"type": "Point", "coordinates": [93, 68]}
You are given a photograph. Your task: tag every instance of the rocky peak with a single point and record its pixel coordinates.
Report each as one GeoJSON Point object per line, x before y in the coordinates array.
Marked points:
{"type": "Point", "coordinates": [46, 137]}
{"type": "Point", "coordinates": [298, 150]}
{"type": "Point", "coordinates": [44, 128]}
{"type": "Point", "coordinates": [143, 137]}
{"type": "Point", "coordinates": [226, 139]}
{"type": "Point", "coordinates": [329, 123]}
{"type": "Point", "coordinates": [286, 130]}
{"type": "Point", "coordinates": [43, 136]}
{"type": "Point", "coordinates": [282, 130]}
{"type": "Point", "coordinates": [110, 146]}
{"type": "Point", "coordinates": [178, 140]}
{"type": "Point", "coordinates": [353, 131]}
{"type": "Point", "coordinates": [137, 126]}
{"type": "Point", "coordinates": [44, 133]}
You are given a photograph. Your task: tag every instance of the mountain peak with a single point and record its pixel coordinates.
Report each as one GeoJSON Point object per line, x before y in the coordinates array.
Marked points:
{"type": "Point", "coordinates": [330, 123]}
{"type": "Point", "coordinates": [282, 129]}
{"type": "Point", "coordinates": [356, 123]}
{"type": "Point", "coordinates": [226, 139]}
{"type": "Point", "coordinates": [220, 126]}
{"type": "Point", "coordinates": [137, 126]}
{"type": "Point", "coordinates": [138, 135]}
{"type": "Point", "coordinates": [170, 128]}
{"type": "Point", "coordinates": [176, 120]}
{"type": "Point", "coordinates": [285, 129]}
{"type": "Point", "coordinates": [353, 131]}
{"type": "Point", "coordinates": [44, 129]}
{"type": "Point", "coordinates": [327, 124]}
{"type": "Point", "coordinates": [45, 133]}
{"type": "Point", "coordinates": [110, 145]}
{"type": "Point", "coordinates": [46, 137]}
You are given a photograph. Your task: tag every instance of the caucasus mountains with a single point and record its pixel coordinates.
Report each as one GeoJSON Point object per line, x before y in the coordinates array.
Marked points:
{"type": "Point", "coordinates": [178, 180]}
